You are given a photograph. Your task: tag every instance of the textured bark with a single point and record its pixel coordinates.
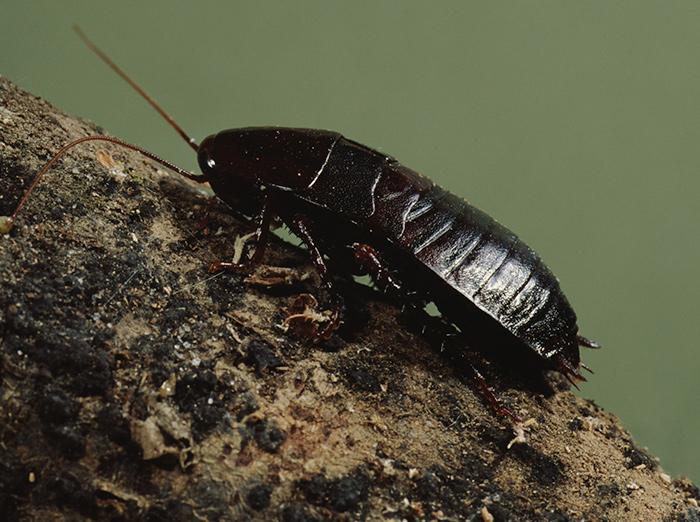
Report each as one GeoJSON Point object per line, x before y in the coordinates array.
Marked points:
{"type": "Point", "coordinates": [136, 386]}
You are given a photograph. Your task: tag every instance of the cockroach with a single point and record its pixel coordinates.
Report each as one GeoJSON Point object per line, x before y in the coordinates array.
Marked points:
{"type": "Point", "coordinates": [360, 211]}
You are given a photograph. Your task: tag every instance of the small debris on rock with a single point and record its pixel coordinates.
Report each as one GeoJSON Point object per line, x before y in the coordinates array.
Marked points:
{"type": "Point", "coordinates": [167, 389]}
{"type": "Point", "coordinates": [105, 158]}
{"type": "Point", "coordinates": [388, 469]}
{"type": "Point", "coordinates": [486, 515]}
{"type": "Point", "coordinates": [273, 276]}
{"type": "Point", "coordinates": [258, 498]}
{"type": "Point", "coordinates": [303, 317]}
{"type": "Point", "coordinates": [171, 423]}
{"type": "Point", "coordinates": [519, 430]}
{"type": "Point", "coordinates": [261, 356]}
{"type": "Point", "coordinates": [636, 457]}
{"type": "Point", "coordinates": [238, 245]}
{"type": "Point", "coordinates": [5, 224]}
{"type": "Point", "coordinates": [108, 162]}
{"type": "Point", "coordinates": [342, 494]}
{"type": "Point", "coordinates": [6, 116]}
{"type": "Point", "coordinates": [266, 433]}
{"type": "Point", "coordinates": [148, 436]}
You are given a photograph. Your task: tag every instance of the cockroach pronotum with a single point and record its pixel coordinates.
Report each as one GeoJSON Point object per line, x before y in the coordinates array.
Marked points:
{"type": "Point", "coordinates": [359, 211]}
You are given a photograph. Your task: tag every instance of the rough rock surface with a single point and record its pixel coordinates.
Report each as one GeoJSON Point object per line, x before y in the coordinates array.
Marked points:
{"type": "Point", "coordinates": [134, 385]}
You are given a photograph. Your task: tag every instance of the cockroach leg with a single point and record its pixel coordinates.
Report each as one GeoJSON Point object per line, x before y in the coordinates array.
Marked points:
{"type": "Point", "coordinates": [371, 262]}
{"type": "Point", "coordinates": [301, 225]}
{"type": "Point", "coordinates": [333, 321]}
{"type": "Point", "coordinates": [568, 371]}
{"type": "Point", "coordinates": [481, 386]}
{"type": "Point", "coordinates": [259, 242]}
{"type": "Point", "coordinates": [571, 381]}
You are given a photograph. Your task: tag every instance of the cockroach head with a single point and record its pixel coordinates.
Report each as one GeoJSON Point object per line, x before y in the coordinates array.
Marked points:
{"type": "Point", "coordinates": [232, 178]}
{"type": "Point", "coordinates": [226, 158]}
{"type": "Point", "coordinates": [286, 159]}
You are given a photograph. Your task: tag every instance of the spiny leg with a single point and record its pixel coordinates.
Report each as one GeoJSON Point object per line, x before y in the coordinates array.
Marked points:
{"type": "Point", "coordinates": [259, 242]}
{"type": "Point", "coordinates": [568, 370]}
{"type": "Point", "coordinates": [386, 280]}
{"type": "Point", "coordinates": [302, 225]}
{"type": "Point", "coordinates": [371, 262]}
{"type": "Point", "coordinates": [452, 341]}
{"type": "Point", "coordinates": [488, 395]}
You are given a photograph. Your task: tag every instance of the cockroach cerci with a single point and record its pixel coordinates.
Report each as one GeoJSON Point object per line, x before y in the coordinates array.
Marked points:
{"type": "Point", "coordinates": [359, 211]}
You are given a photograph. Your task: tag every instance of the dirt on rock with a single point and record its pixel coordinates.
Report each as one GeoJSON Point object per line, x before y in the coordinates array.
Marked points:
{"type": "Point", "coordinates": [136, 386]}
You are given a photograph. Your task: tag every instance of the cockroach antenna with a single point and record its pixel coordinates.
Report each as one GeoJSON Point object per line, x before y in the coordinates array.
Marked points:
{"type": "Point", "coordinates": [7, 222]}
{"type": "Point", "coordinates": [106, 59]}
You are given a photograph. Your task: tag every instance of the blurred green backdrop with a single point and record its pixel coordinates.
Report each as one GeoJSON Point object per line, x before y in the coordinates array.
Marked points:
{"type": "Point", "coordinates": [576, 124]}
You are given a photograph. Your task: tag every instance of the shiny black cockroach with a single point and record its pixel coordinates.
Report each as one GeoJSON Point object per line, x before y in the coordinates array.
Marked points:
{"type": "Point", "coordinates": [360, 211]}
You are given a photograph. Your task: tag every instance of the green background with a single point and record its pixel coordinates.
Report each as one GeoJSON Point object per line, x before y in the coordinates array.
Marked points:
{"type": "Point", "coordinates": [576, 124]}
